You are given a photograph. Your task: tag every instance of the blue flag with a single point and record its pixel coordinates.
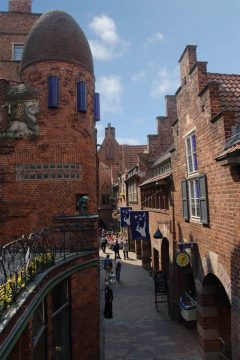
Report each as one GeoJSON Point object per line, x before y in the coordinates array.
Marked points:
{"type": "Point", "coordinates": [125, 216]}
{"type": "Point", "coordinates": [139, 225]}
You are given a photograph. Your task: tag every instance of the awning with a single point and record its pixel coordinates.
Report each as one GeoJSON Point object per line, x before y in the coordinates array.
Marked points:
{"type": "Point", "coordinates": [157, 179]}
{"type": "Point", "coordinates": [230, 156]}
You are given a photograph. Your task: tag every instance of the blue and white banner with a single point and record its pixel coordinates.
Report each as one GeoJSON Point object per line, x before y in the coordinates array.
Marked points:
{"type": "Point", "coordinates": [139, 225]}
{"type": "Point", "coordinates": [125, 216]}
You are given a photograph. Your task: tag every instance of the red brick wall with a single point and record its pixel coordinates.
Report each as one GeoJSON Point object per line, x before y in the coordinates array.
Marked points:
{"type": "Point", "coordinates": [14, 29]}
{"type": "Point", "coordinates": [66, 137]}
{"type": "Point", "coordinates": [222, 235]}
{"type": "Point", "coordinates": [85, 315]}
{"type": "Point", "coordinates": [20, 5]}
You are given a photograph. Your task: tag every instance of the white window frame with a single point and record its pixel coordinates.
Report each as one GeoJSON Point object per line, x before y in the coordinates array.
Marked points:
{"type": "Point", "coordinates": [194, 198]}
{"type": "Point", "coordinates": [191, 155]}
{"type": "Point", "coordinates": [14, 52]}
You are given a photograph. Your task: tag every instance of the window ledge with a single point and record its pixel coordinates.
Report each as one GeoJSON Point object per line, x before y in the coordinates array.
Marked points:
{"type": "Point", "coordinates": [193, 175]}
{"type": "Point", "coordinates": [195, 220]}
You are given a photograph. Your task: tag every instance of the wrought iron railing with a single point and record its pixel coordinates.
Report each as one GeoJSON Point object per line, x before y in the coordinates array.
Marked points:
{"type": "Point", "coordinates": [23, 259]}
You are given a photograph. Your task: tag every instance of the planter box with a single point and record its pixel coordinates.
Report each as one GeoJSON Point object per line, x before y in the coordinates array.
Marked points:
{"type": "Point", "coordinates": [188, 307]}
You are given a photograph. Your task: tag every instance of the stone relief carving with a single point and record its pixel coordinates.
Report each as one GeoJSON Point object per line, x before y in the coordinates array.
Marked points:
{"type": "Point", "coordinates": [18, 113]}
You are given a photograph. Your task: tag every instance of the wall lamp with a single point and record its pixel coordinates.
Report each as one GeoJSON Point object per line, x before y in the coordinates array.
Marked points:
{"type": "Point", "coordinates": [158, 234]}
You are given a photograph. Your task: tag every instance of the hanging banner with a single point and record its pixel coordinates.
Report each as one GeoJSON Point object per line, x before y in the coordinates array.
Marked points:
{"type": "Point", "coordinates": [139, 225]}
{"type": "Point", "coordinates": [125, 216]}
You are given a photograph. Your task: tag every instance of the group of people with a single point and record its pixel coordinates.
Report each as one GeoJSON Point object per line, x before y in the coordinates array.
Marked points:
{"type": "Point", "coordinates": [109, 273]}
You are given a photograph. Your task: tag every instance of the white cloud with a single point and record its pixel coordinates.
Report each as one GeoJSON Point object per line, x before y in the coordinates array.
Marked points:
{"type": "Point", "coordinates": [155, 38]}
{"type": "Point", "coordinates": [105, 28]}
{"type": "Point", "coordinates": [127, 141]}
{"type": "Point", "coordinates": [167, 82]}
{"type": "Point", "coordinates": [108, 44]}
{"type": "Point", "coordinates": [138, 76]}
{"type": "Point", "coordinates": [110, 88]}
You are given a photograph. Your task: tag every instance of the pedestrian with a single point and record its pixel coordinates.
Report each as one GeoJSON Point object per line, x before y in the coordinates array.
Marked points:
{"type": "Point", "coordinates": [118, 268]}
{"type": "Point", "coordinates": [103, 243]}
{"type": "Point", "coordinates": [107, 266]}
{"type": "Point", "coordinates": [108, 301]}
{"type": "Point", "coordinates": [116, 248]}
{"type": "Point", "coordinates": [125, 249]}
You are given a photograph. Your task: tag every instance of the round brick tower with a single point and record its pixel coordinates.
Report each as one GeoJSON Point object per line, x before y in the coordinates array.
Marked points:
{"type": "Point", "coordinates": [54, 156]}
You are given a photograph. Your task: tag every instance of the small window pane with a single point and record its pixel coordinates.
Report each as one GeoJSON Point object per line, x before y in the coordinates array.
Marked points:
{"type": "Point", "coordinates": [18, 51]}
{"type": "Point", "coordinates": [193, 143]}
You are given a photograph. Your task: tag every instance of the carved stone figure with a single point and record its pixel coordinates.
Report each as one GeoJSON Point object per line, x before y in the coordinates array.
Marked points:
{"type": "Point", "coordinates": [18, 113]}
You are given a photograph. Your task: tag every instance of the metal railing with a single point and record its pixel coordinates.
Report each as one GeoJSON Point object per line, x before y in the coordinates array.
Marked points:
{"type": "Point", "coordinates": [23, 259]}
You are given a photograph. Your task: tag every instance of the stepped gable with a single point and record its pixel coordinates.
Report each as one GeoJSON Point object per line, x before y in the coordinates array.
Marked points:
{"type": "Point", "coordinates": [57, 36]}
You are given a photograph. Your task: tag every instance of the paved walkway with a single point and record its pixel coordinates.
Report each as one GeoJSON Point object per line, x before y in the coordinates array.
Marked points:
{"type": "Point", "coordinates": [137, 331]}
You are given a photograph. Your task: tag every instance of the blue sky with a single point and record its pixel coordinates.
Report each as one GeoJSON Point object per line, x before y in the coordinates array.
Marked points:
{"type": "Point", "coordinates": [136, 45]}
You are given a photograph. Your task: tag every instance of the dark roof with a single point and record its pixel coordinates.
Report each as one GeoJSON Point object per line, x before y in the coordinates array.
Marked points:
{"type": "Point", "coordinates": [229, 88]}
{"type": "Point", "coordinates": [57, 36]}
{"type": "Point", "coordinates": [156, 179]}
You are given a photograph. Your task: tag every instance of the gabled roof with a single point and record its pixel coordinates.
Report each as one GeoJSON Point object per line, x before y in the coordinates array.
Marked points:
{"type": "Point", "coordinates": [229, 90]}
{"type": "Point", "coordinates": [130, 155]}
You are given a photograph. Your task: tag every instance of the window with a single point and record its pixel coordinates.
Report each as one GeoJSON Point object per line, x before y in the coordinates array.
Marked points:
{"type": "Point", "coordinates": [53, 91]}
{"type": "Point", "coordinates": [39, 333]}
{"type": "Point", "coordinates": [105, 199]}
{"type": "Point", "coordinates": [61, 321]}
{"type": "Point", "coordinates": [17, 52]}
{"type": "Point", "coordinates": [191, 153]}
{"type": "Point", "coordinates": [81, 96]}
{"type": "Point", "coordinates": [195, 199]}
{"type": "Point", "coordinates": [132, 190]}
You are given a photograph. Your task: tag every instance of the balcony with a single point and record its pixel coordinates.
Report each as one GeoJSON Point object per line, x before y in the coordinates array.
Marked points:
{"type": "Point", "coordinates": [32, 267]}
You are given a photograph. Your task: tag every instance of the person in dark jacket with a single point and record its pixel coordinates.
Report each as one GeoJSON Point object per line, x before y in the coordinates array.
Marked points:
{"type": "Point", "coordinates": [108, 301]}
{"type": "Point", "coordinates": [116, 248]}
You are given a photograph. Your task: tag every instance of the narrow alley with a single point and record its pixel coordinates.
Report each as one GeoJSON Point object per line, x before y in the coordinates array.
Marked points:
{"type": "Point", "coordinates": [138, 331]}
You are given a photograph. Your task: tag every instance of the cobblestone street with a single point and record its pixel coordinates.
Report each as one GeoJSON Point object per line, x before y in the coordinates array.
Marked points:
{"type": "Point", "coordinates": [137, 331]}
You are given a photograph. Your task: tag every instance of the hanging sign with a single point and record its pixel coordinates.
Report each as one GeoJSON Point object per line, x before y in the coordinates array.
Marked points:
{"type": "Point", "coordinates": [125, 216]}
{"type": "Point", "coordinates": [139, 221]}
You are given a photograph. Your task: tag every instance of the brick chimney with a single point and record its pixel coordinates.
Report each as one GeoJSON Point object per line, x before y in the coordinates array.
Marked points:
{"type": "Point", "coordinates": [22, 6]}
{"type": "Point", "coordinates": [186, 61]}
{"type": "Point", "coordinates": [110, 131]}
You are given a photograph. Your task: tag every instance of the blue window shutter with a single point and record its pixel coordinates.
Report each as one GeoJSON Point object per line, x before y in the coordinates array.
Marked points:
{"type": "Point", "coordinates": [81, 96]}
{"type": "Point", "coordinates": [204, 216]}
{"type": "Point", "coordinates": [97, 106]}
{"type": "Point", "coordinates": [53, 89]}
{"type": "Point", "coordinates": [185, 206]}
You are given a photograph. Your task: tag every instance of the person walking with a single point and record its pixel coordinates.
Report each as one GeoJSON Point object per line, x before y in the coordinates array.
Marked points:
{"type": "Point", "coordinates": [125, 249]}
{"type": "Point", "coordinates": [118, 268]}
{"type": "Point", "coordinates": [108, 301]}
{"type": "Point", "coordinates": [116, 248]}
{"type": "Point", "coordinates": [103, 243]}
{"type": "Point", "coordinates": [107, 266]}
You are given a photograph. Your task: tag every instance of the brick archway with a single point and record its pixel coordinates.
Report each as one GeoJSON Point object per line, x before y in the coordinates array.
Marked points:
{"type": "Point", "coordinates": [214, 319]}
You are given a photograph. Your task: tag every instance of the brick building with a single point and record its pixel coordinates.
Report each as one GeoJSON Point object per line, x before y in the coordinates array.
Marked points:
{"type": "Point", "coordinates": [206, 198]}
{"type": "Point", "coordinates": [191, 191]}
{"type": "Point", "coordinates": [48, 172]}
{"type": "Point", "coordinates": [47, 133]}
{"type": "Point", "coordinates": [118, 159]}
